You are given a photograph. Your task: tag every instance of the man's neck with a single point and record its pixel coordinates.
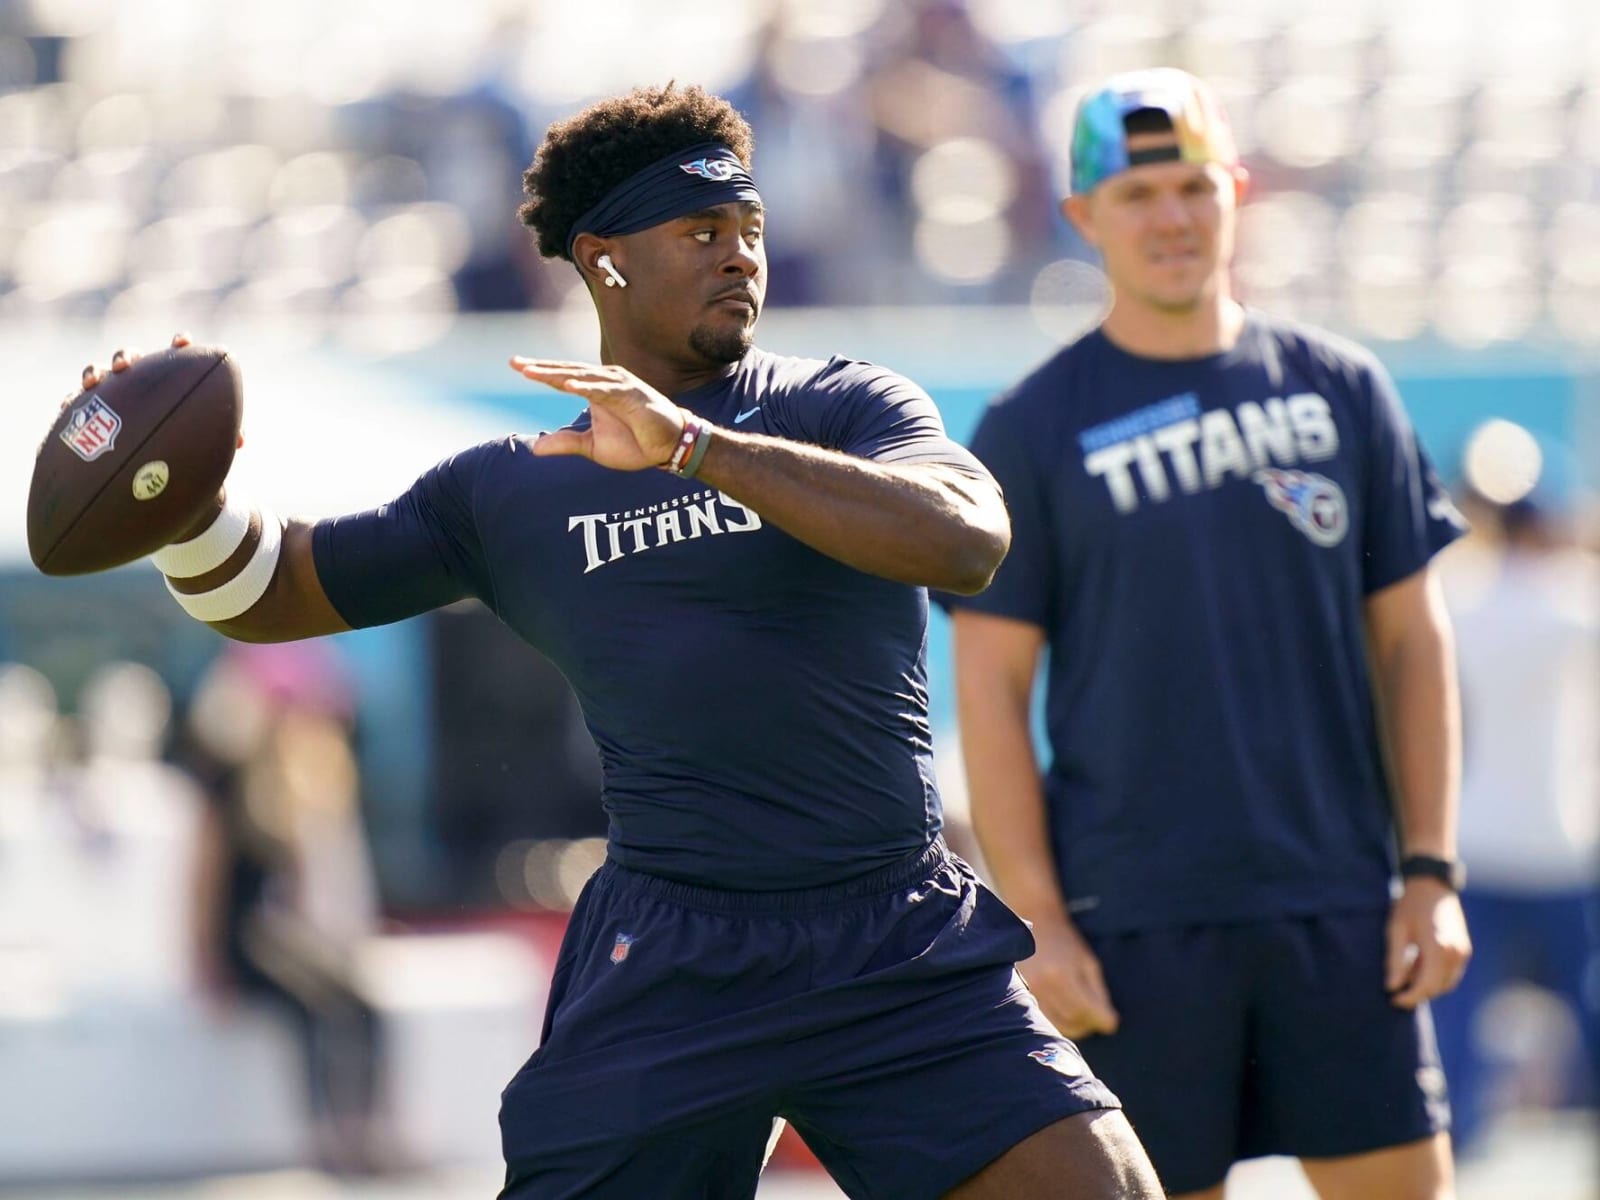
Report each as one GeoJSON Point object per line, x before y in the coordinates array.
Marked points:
{"type": "Point", "coordinates": [1212, 327]}
{"type": "Point", "coordinates": [669, 376]}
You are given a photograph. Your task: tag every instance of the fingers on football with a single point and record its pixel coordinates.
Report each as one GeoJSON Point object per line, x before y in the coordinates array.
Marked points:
{"type": "Point", "coordinates": [179, 340]}
{"type": "Point", "coordinates": [122, 359]}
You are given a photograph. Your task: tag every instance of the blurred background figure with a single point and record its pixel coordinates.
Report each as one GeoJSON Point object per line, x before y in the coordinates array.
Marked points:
{"type": "Point", "coordinates": [27, 727]}
{"type": "Point", "coordinates": [128, 816]}
{"type": "Point", "coordinates": [283, 884]}
{"type": "Point", "coordinates": [28, 730]}
{"type": "Point", "coordinates": [1527, 611]}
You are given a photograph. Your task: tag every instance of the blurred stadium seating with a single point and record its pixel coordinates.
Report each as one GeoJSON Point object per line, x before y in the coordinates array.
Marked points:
{"type": "Point", "coordinates": [1426, 170]}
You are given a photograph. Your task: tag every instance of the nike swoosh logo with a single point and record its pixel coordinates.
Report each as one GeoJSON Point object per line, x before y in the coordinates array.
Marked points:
{"type": "Point", "coordinates": [741, 418]}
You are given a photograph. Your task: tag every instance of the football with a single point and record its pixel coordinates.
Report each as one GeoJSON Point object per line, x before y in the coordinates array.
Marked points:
{"type": "Point", "coordinates": [131, 464]}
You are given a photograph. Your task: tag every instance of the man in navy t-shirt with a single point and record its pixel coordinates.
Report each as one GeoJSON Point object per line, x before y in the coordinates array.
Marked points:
{"type": "Point", "coordinates": [1222, 528]}
{"type": "Point", "coordinates": [726, 555]}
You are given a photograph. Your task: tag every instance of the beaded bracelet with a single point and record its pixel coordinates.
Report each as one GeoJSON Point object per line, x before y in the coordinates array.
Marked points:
{"type": "Point", "coordinates": [691, 449]}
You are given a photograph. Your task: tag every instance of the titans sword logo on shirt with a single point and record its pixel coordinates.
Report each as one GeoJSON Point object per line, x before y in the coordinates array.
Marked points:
{"type": "Point", "coordinates": [1173, 445]}
{"type": "Point", "coordinates": [610, 536]}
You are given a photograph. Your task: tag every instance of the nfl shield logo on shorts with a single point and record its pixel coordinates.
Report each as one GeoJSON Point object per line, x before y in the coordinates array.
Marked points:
{"type": "Point", "coordinates": [619, 949]}
{"type": "Point", "coordinates": [92, 430]}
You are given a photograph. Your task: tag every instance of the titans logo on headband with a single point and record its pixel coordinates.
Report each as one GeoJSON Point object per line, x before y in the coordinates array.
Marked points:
{"type": "Point", "coordinates": [661, 191]}
{"type": "Point", "coordinates": [719, 169]}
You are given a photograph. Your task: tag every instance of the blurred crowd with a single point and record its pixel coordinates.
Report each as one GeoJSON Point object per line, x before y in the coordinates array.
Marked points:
{"type": "Point", "coordinates": [1421, 170]}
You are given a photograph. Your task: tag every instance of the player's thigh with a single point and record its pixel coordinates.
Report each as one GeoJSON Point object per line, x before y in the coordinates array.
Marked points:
{"type": "Point", "coordinates": [716, 1160]}
{"type": "Point", "coordinates": [1092, 1156]}
{"type": "Point", "coordinates": [1339, 1070]}
{"type": "Point", "coordinates": [1177, 1060]}
{"type": "Point", "coordinates": [1419, 1170]}
{"type": "Point", "coordinates": [918, 1098]}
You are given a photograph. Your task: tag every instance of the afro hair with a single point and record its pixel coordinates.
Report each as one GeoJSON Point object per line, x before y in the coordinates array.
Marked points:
{"type": "Point", "coordinates": [587, 155]}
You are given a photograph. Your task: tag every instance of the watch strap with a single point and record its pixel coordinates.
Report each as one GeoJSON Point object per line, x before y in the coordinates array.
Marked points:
{"type": "Point", "coordinates": [1448, 871]}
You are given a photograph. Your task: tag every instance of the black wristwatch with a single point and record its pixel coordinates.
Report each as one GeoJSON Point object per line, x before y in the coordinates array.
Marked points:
{"type": "Point", "coordinates": [1448, 871]}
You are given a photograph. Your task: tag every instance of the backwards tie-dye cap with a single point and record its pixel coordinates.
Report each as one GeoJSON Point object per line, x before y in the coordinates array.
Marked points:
{"type": "Point", "coordinates": [1100, 139]}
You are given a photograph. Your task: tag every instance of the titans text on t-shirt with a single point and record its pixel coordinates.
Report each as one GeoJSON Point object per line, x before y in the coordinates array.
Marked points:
{"type": "Point", "coordinates": [1197, 539]}
{"type": "Point", "coordinates": [760, 709]}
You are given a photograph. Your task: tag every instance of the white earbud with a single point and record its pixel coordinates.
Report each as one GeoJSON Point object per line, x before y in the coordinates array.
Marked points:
{"type": "Point", "coordinates": [613, 276]}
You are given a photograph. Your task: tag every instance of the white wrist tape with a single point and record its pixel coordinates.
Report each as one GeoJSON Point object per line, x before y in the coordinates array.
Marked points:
{"type": "Point", "coordinates": [209, 550]}
{"type": "Point", "coordinates": [241, 592]}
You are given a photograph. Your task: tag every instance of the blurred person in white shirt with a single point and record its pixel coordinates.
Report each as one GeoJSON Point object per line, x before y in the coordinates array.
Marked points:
{"type": "Point", "coordinates": [1528, 631]}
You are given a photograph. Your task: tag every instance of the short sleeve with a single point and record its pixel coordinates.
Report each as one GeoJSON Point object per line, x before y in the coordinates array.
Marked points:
{"type": "Point", "coordinates": [874, 413]}
{"type": "Point", "coordinates": [1409, 515]}
{"type": "Point", "coordinates": [415, 554]}
{"type": "Point", "coordinates": [1024, 586]}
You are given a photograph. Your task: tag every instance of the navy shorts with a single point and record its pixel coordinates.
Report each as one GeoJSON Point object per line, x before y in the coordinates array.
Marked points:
{"type": "Point", "coordinates": [1264, 1037]}
{"type": "Point", "coordinates": [882, 1017]}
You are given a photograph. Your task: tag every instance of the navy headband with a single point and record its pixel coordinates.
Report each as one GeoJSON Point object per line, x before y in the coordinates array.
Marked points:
{"type": "Point", "coordinates": [684, 182]}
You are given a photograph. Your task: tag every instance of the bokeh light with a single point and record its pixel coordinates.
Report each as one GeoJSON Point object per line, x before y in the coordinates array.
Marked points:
{"type": "Point", "coordinates": [1502, 461]}
{"type": "Point", "coordinates": [962, 180]}
{"type": "Point", "coordinates": [963, 251]}
{"type": "Point", "coordinates": [1068, 297]}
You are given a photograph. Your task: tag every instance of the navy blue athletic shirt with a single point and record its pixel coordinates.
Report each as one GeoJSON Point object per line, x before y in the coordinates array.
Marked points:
{"type": "Point", "coordinates": [760, 709]}
{"type": "Point", "coordinates": [1197, 539]}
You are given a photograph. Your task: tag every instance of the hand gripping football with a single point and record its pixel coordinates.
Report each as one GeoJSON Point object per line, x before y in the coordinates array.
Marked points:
{"type": "Point", "coordinates": [132, 463]}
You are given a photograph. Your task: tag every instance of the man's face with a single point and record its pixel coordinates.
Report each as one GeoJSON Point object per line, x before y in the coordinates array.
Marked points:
{"type": "Point", "coordinates": [1165, 229]}
{"type": "Point", "coordinates": [696, 283]}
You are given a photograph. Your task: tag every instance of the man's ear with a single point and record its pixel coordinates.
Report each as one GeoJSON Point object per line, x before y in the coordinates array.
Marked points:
{"type": "Point", "coordinates": [587, 249]}
{"type": "Point", "coordinates": [1076, 209]}
{"type": "Point", "coordinates": [1241, 185]}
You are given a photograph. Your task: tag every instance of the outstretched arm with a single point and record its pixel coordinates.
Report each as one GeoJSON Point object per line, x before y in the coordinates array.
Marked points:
{"type": "Point", "coordinates": [294, 605]}
{"type": "Point", "coordinates": [925, 524]}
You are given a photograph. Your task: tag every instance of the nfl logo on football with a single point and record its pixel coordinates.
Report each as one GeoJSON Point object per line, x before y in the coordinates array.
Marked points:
{"type": "Point", "coordinates": [620, 950]}
{"type": "Point", "coordinates": [92, 430]}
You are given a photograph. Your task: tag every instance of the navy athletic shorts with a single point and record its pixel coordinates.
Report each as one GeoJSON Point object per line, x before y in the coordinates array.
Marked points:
{"type": "Point", "coordinates": [1264, 1037]}
{"type": "Point", "coordinates": [882, 1017]}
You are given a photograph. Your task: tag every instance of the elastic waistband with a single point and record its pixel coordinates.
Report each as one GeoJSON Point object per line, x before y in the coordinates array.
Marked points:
{"type": "Point", "coordinates": [912, 869]}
